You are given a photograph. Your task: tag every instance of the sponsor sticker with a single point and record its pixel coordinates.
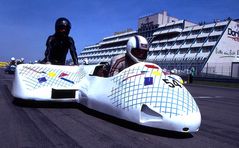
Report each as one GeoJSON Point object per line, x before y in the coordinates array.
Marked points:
{"type": "Point", "coordinates": [68, 80]}
{"type": "Point", "coordinates": [148, 81]}
{"type": "Point", "coordinates": [142, 72]}
{"type": "Point", "coordinates": [151, 66]}
{"type": "Point", "coordinates": [51, 74]}
{"type": "Point", "coordinates": [32, 69]}
{"type": "Point", "coordinates": [63, 75]}
{"type": "Point", "coordinates": [156, 73]}
{"type": "Point", "coordinates": [42, 79]}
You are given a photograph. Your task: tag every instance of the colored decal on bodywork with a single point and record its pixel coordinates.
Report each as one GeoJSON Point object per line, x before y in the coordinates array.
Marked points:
{"type": "Point", "coordinates": [34, 70]}
{"type": "Point", "coordinates": [148, 81]}
{"type": "Point", "coordinates": [142, 72]}
{"type": "Point", "coordinates": [68, 80]}
{"type": "Point", "coordinates": [63, 75]}
{"type": "Point", "coordinates": [42, 79]}
{"type": "Point", "coordinates": [156, 73]}
{"type": "Point", "coordinates": [151, 66]}
{"type": "Point", "coordinates": [51, 74]}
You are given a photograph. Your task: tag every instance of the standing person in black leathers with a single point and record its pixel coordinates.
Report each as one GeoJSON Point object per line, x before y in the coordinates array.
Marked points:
{"type": "Point", "coordinates": [58, 44]}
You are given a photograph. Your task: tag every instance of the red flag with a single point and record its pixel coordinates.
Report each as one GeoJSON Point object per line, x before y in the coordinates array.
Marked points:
{"type": "Point", "coordinates": [151, 66]}
{"type": "Point", "coordinates": [63, 75]}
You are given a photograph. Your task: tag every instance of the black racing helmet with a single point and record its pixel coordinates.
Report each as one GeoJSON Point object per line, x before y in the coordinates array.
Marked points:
{"type": "Point", "coordinates": [63, 26]}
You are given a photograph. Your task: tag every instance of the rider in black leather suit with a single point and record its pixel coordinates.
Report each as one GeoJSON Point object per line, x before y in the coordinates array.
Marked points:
{"type": "Point", "coordinates": [59, 43]}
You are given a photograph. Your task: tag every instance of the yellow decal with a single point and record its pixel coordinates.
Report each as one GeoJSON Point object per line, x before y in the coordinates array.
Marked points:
{"type": "Point", "coordinates": [51, 74]}
{"type": "Point", "coordinates": [156, 73]}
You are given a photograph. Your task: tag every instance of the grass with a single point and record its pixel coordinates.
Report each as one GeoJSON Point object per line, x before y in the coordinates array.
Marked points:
{"type": "Point", "coordinates": [3, 64]}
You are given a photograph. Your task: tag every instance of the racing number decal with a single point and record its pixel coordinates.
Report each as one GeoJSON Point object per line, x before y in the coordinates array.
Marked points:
{"type": "Point", "coordinates": [173, 83]}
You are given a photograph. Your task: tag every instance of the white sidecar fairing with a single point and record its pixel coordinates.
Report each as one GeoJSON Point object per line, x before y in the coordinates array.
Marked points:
{"type": "Point", "coordinates": [44, 82]}
{"type": "Point", "coordinates": [142, 93]}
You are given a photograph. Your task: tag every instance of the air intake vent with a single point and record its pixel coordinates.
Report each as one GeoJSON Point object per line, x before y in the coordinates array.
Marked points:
{"type": "Point", "coordinates": [61, 94]}
{"type": "Point", "coordinates": [148, 114]}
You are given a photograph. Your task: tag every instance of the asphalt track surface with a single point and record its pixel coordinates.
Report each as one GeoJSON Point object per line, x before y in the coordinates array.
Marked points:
{"type": "Point", "coordinates": [32, 124]}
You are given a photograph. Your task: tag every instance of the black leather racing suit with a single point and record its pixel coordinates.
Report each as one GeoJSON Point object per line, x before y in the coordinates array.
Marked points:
{"type": "Point", "coordinates": [57, 49]}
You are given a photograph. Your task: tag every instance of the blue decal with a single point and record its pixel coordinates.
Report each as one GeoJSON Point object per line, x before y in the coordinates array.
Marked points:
{"type": "Point", "coordinates": [41, 80]}
{"type": "Point", "coordinates": [137, 42]}
{"type": "Point", "coordinates": [67, 80]}
{"type": "Point", "coordinates": [148, 80]}
{"type": "Point", "coordinates": [144, 72]}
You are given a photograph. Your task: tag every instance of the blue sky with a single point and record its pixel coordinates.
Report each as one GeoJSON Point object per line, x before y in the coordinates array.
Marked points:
{"type": "Point", "coordinates": [26, 24]}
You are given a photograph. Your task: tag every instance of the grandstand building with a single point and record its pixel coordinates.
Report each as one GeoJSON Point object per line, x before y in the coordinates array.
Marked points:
{"type": "Point", "coordinates": [209, 48]}
{"type": "Point", "coordinates": [107, 48]}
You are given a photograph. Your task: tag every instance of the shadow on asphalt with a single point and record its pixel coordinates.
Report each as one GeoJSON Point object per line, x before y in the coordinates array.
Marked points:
{"type": "Point", "coordinates": [108, 118]}
{"type": "Point", "coordinates": [43, 104]}
{"type": "Point", "coordinates": [134, 126]}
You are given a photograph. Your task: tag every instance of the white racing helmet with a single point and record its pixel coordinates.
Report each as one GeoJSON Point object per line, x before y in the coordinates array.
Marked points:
{"type": "Point", "coordinates": [85, 61]}
{"type": "Point", "coordinates": [13, 59]}
{"type": "Point", "coordinates": [137, 48]}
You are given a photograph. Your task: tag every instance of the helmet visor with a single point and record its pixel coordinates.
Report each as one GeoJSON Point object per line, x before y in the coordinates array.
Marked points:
{"type": "Point", "coordinates": [62, 28]}
{"type": "Point", "coordinates": [139, 53]}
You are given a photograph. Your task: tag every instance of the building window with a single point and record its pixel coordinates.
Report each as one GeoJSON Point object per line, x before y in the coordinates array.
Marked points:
{"type": "Point", "coordinates": [213, 38]}
{"type": "Point", "coordinates": [179, 42]}
{"type": "Point", "coordinates": [194, 50]}
{"type": "Point", "coordinates": [185, 33]}
{"type": "Point", "coordinates": [206, 49]}
{"type": "Point", "coordinates": [169, 43]}
{"type": "Point", "coordinates": [163, 52]}
{"type": "Point", "coordinates": [201, 40]}
{"type": "Point", "coordinates": [190, 41]}
{"type": "Point", "coordinates": [183, 51]}
{"type": "Point", "coordinates": [173, 51]}
{"type": "Point", "coordinates": [154, 45]}
{"type": "Point", "coordinates": [195, 32]}
{"type": "Point", "coordinates": [160, 44]}
{"type": "Point", "coordinates": [219, 28]}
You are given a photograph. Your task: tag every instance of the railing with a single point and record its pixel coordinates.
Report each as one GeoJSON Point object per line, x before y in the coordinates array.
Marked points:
{"type": "Point", "coordinates": [217, 69]}
{"type": "Point", "coordinates": [212, 70]}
